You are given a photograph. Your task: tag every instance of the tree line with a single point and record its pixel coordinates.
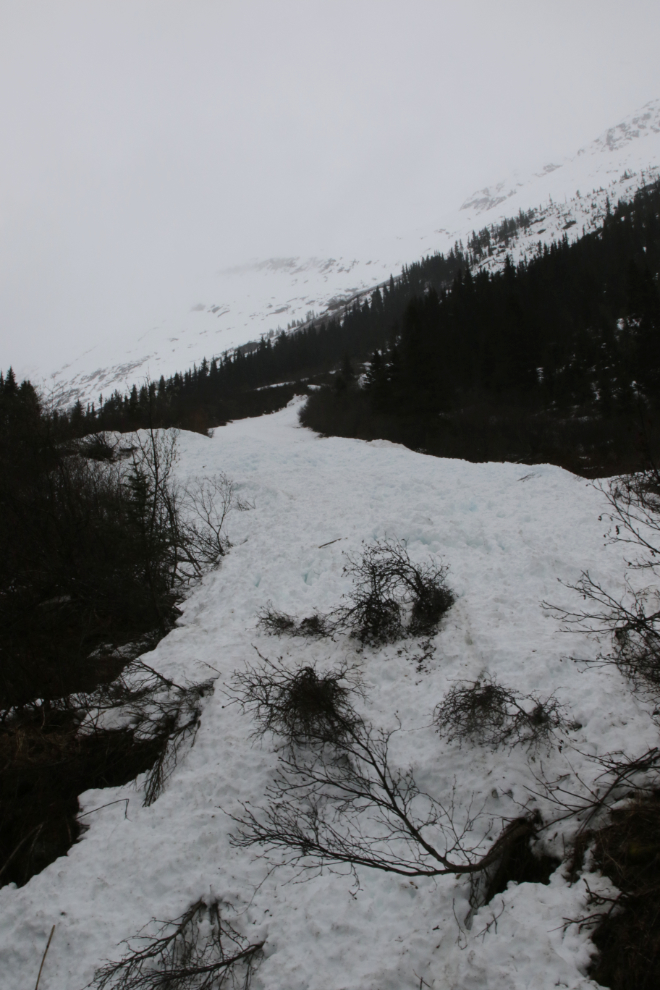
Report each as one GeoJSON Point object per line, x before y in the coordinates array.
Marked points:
{"type": "Point", "coordinates": [246, 382]}
{"type": "Point", "coordinates": [557, 358]}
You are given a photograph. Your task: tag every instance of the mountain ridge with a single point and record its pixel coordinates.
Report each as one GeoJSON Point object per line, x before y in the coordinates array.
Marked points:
{"type": "Point", "coordinates": [264, 296]}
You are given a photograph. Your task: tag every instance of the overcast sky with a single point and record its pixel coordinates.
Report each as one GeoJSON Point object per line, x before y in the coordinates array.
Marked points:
{"type": "Point", "coordinates": [148, 142]}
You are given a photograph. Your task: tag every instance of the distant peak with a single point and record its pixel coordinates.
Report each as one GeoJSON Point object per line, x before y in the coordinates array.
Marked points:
{"type": "Point", "coordinates": [637, 125]}
{"type": "Point", "coordinates": [491, 196]}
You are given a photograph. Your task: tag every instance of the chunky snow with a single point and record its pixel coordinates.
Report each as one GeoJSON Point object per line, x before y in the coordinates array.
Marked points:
{"type": "Point", "coordinates": [231, 307]}
{"type": "Point", "coordinates": [508, 533]}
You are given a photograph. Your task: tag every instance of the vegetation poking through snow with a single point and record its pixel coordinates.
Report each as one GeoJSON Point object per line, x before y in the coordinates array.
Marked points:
{"type": "Point", "coordinates": [619, 815]}
{"type": "Point", "coordinates": [348, 806]}
{"type": "Point", "coordinates": [617, 819]}
{"type": "Point", "coordinates": [303, 706]}
{"type": "Point", "coordinates": [632, 620]}
{"type": "Point", "coordinates": [278, 623]}
{"type": "Point", "coordinates": [392, 597]}
{"type": "Point", "coordinates": [387, 585]}
{"type": "Point", "coordinates": [198, 951]}
{"type": "Point", "coordinates": [628, 935]}
{"type": "Point", "coordinates": [489, 714]}
{"type": "Point", "coordinates": [156, 710]}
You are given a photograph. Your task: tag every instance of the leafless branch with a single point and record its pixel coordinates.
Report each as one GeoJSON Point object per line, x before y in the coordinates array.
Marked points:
{"type": "Point", "coordinates": [198, 951]}
{"type": "Point", "coordinates": [346, 804]}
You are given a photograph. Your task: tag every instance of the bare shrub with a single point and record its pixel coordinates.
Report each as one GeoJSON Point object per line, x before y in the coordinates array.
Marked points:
{"type": "Point", "coordinates": [632, 620]}
{"type": "Point", "coordinates": [618, 817]}
{"type": "Point", "coordinates": [313, 625]}
{"type": "Point", "coordinates": [209, 501]}
{"type": "Point", "coordinates": [53, 750]}
{"type": "Point", "coordinates": [303, 706]}
{"type": "Point", "coordinates": [487, 713]}
{"type": "Point", "coordinates": [45, 763]}
{"type": "Point", "coordinates": [156, 710]}
{"type": "Point", "coordinates": [98, 447]}
{"type": "Point", "coordinates": [387, 584]}
{"type": "Point", "coordinates": [198, 951]}
{"type": "Point", "coordinates": [633, 623]}
{"type": "Point", "coordinates": [627, 932]}
{"type": "Point", "coordinates": [392, 597]}
{"type": "Point", "coordinates": [277, 623]}
{"type": "Point", "coordinates": [346, 805]}
{"type": "Point", "coordinates": [185, 524]}
{"type": "Point", "coordinates": [97, 552]}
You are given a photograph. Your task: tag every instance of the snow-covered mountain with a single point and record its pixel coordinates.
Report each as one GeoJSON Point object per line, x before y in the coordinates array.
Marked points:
{"type": "Point", "coordinates": [259, 297]}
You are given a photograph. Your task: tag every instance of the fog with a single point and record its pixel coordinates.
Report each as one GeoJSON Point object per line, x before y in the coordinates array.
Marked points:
{"type": "Point", "coordinates": [149, 144]}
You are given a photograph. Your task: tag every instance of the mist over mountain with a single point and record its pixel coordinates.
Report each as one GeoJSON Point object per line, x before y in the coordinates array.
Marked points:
{"type": "Point", "coordinates": [260, 297]}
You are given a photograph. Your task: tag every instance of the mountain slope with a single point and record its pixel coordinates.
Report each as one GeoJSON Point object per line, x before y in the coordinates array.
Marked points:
{"type": "Point", "coordinates": [243, 303]}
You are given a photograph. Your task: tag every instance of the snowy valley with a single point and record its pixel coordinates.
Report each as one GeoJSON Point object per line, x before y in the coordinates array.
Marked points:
{"type": "Point", "coordinates": [508, 535]}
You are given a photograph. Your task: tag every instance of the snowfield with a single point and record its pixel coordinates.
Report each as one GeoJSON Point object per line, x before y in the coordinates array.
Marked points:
{"type": "Point", "coordinates": [508, 533]}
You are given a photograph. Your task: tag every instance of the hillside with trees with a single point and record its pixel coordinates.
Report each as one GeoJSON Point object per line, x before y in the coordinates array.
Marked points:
{"type": "Point", "coordinates": [554, 359]}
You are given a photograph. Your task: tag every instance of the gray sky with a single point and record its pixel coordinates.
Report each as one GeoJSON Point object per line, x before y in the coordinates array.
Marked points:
{"type": "Point", "coordinates": [149, 142]}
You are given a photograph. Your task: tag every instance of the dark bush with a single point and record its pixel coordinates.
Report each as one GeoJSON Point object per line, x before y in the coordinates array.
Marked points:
{"type": "Point", "coordinates": [627, 931]}
{"type": "Point", "coordinates": [46, 764]}
{"type": "Point", "coordinates": [392, 597]}
{"type": "Point", "coordinates": [95, 554]}
{"type": "Point", "coordinates": [346, 805]}
{"type": "Point", "coordinates": [487, 713]}
{"type": "Point", "coordinates": [156, 710]}
{"type": "Point", "coordinates": [302, 706]}
{"type": "Point", "coordinates": [102, 447]}
{"type": "Point", "coordinates": [632, 619]}
{"type": "Point", "coordinates": [278, 623]}
{"type": "Point", "coordinates": [52, 751]}
{"type": "Point", "coordinates": [390, 588]}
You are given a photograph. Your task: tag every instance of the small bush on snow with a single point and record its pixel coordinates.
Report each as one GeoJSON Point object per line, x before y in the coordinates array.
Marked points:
{"type": "Point", "coordinates": [301, 705]}
{"type": "Point", "coordinates": [487, 713]}
{"type": "Point", "coordinates": [392, 597]}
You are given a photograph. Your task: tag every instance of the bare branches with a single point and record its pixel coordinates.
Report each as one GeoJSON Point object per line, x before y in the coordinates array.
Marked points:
{"type": "Point", "coordinates": [315, 625]}
{"type": "Point", "coordinates": [633, 622]}
{"type": "Point", "coordinates": [208, 501]}
{"type": "Point", "coordinates": [156, 709]}
{"type": "Point", "coordinates": [620, 777]}
{"type": "Point", "coordinates": [303, 706]}
{"type": "Point", "coordinates": [387, 584]}
{"type": "Point", "coordinates": [392, 597]}
{"type": "Point", "coordinates": [347, 805]}
{"type": "Point", "coordinates": [628, 934]}
{"type": "Point", "coordinates": [618, 813]}
{"type": "Point", "coordinates": [619, 820]}
{"type": "Point", "coordinates": [635, 503]}
{"type": "Point", "coordinates": [487, 713]}
{"type": "Point", "coordinates": [632, 619]}
{"type": "Point", "coordinates": [185, 525]}
{"type": "Point", "coordinates": [198, 951]}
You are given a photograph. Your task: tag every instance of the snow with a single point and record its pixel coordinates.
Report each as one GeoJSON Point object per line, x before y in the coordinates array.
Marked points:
{"type": "Point", "coordinates": [508, 533]}
{"type": "Point", "coordinates": [231, 307]}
